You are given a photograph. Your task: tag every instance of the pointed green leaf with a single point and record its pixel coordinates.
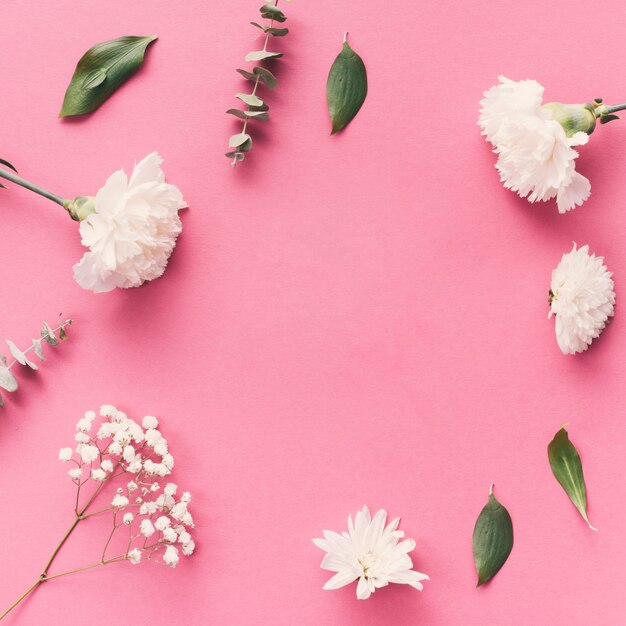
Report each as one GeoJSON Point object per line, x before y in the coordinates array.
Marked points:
{"type": "Point", "coordinates": [7, 164]}
{"type": "Point", "coordinates": [346, 87]}
{"type": "Point", "coordinates": [259, 55]}
{"type": "Point", "coordinates": [605, 119]}
{"type": "Point", "coordinates": [568, 470]}
{"type": "Point", "coordinates": [493, 539]}
{"type": "Point", "coordinates": [271, 12]}
{"type": "Point", "coordinates": [100, 72]}
{"type": "Point", "coordinates": [250, 99]}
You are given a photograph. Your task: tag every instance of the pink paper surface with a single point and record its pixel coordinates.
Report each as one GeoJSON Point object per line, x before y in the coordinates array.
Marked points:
{"type": "Point", "coordinates": [347, 320]}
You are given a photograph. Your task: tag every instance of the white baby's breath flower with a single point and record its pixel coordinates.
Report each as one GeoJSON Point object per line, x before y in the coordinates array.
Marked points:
{"type": "Point", "coordinates": [170, 489]}
{"type": "Point", "coordinates": [119, 501]}
{"type": "Point", "coordinates": [81, 437]}
{"type": "Point", "coordinates": [128, 518]}
{"type": "Point", "coordinates": [150, 422]}
{"type": "Point", "coordinates": [170, 557]}
{"type": "Point", "coordinates": [98, 474]}
{"type": "Point", "coordinates": [65, 454]}
{"type": "Point", "coordinates": [133, 230]}
{"type": "Point", "coordinates": [369, 552]}
{"type": "Point", "coordinates": [84, 425]}
{"type": "Point", "coordinates": [162, 522]}
{"type": "Point", "coordinates": [581, 298]}
{"type": "Point", "coordinates": [189, 547]}
{"type": "Point", "coordinates": [107, 465]}
{"type": "Point", "coordinates": [134, 556]}
{"type": "Point", "coordinates": [146, 528]}
{"type": "Point", "coordinates": [89, 453]}
{"type": "Point", "coordinates": [75, 473]}
{"type": "Point", "coordinates": [534, 142]}
{"type": "Point", "coordinates": [169, 534]}
{"type": "Point", "coordinates": [90, 415]}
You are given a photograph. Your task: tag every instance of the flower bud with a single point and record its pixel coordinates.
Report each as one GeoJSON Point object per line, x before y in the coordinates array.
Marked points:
{"type": "Point", "coordinates": [573, 118]}
{"type": "Point", "coordinates": [80, 207]}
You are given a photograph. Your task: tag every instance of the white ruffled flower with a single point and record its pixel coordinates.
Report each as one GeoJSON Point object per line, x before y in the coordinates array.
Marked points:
{"type": "Point", "coordinates": [133, 230]}
{"type": "Point", "coordinates": [65, 454]}
{"type": "Point", "coordinates": [170, 557]}
{"type": "Point", "coordinates": [535, 154]}
{"type": "Point", "coordinates": [370, 552]}
{"type": "Point", "coordinates": [581, 298]}
{"type": "Point", "coordinates": [119, 501]}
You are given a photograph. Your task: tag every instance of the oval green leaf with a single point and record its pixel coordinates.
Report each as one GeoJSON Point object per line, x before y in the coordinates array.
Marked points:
{"type": "Point", "coordinates": [100, 71]}
{"type": "Point", "coordinates": [346, 87]}
{"type": "Point", "coordinates": [568, 470]}
{"type": "Point", "coordinates": [493, 539]}
{"type": "Point", "coordinates": [249, 99]}
{"type": "Point", "coordinates": [271, 12]}
{"type": "Point", "coordinates": [260, 55]}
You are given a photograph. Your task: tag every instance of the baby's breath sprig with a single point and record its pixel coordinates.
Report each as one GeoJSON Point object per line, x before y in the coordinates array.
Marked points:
{"type": "Point", "coordinates": [8, 382]}
{"type": "Point", "coordinates": [121, 463]}
{"type": "Point", "coordinates": [256, 107]}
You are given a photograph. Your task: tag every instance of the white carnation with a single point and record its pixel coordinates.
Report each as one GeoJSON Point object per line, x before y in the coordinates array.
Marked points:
{"type": "Point", "coordinates": [581, 298]}
{"type": "Point", "coordinates": [133, 230]}
{"type": "Point", "coordinates": [535, 156]}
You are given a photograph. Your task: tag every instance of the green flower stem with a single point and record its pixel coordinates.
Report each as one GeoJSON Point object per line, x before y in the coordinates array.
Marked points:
{"type": "Point", "coordinates": [616, 107]}
{"type": "Point", "coordinates": [18, 180]}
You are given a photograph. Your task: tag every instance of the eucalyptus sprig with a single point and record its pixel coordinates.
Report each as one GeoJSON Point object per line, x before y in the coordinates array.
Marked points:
{"type": "Point", "coordinates": [8, 382]}
{"type": "Point", "coordinates": [256, 107]}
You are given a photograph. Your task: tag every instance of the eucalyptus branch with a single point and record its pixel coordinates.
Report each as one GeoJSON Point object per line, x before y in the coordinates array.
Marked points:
{"type": "Point", "coordinates": [256, 109]}
{"type": "Point", "coordinates": [8, 382]}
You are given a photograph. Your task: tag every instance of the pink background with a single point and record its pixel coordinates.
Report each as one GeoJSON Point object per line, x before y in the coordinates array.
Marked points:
{"type": "Point", "coordinates": [346, 320]}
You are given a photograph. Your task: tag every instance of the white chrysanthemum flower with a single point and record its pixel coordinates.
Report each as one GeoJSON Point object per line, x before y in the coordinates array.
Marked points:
{"type": "Point", "coordinates": [536, 156]}
{"type": "Point", "coordinates": [65, 454]}
{"type": "Point", "coordinates": [369, 552]}
{"type": "Point", "coordinates": [581, 298]}
{"type": "Point", "coordinates": [133, 231]}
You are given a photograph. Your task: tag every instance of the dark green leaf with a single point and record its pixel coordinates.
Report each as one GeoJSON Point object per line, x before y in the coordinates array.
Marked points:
{"type": "Point", "coordinates": [346, 87]}
{"type": "Point", "coordinates": [7, 164]}
{"type": "Point", "coordinates": [247, 75]}
{"type": "Point", "coordinates": [101, 70]}
{"type": "Point", "coordinates": [271, 30]}
{"type": "Point", "coordinates": [568, 470]}
{"type": "Point", "coordinates": [604, 119]}
{"type": "Point", "coordinates": [271, 12]}
{"type": "Point", "coordinates": [263, 107]}
{"type": "Point", "coordinates": [265, 76]}
{"type": "Point", "coordinates": [493, 539]}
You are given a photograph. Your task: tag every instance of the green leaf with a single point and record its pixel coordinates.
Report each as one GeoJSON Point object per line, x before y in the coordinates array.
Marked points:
{"type": "Point", "coordinates": [38, 349]}
{"type": "Point", "coordinates": [568, 470]}
{"type": "Point", "coordinates": [271, 30]}
{"type": "Point", "coordinates": [265, 76]}
{"type": "Point", "coordinates": [47, 335]}
{"type": "Point", "coordinates": [346, 87]}
{"type": "Point", "coordinates": [7, 164]}
{"type": "Point", "coordinates": [236, 141]}
{"type": "Point", "coordinates": [247, 75]}
{"type": "Point", "coordinates": [271, 12]}
{"type": "Point", "coordinates": [250, 99]}
{"type": "Point", "coordinates": [101, 70]}
{"type": "Point", "coordinates": [493, 539]}
{"type": "Point", "coordinates": [260, 55]}
{"type": "Point", "coordinates": [7, 380]}
{"type": "Point", "coordinates": [244, 115]}
{"type": "Point", "coordinates": [605, 119]}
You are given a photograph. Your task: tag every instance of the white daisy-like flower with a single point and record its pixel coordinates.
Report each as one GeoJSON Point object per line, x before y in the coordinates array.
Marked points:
{"type": "Point", "coordinates": [535, 142]}
{"type": "Point", "coordinates": [370, 552]}
{"type": "Point", "coordinates": [132, 231]}
{"type": "Point", "coordinates": [582, 299]}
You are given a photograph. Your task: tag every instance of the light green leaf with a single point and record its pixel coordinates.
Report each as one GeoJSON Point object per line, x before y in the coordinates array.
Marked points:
{"type": "Point", "coordinates": [568, 470]}
{"type": "Point", "coordinates": [493, 539]}
{"type": "Point", "coordinates": [244, 115]}
{"type": "Point", "coordinates": [260, 55]}
{"type": "Point", "coordinates": [19, 356]}
{"type": "Point", "coordinates": [38, 349]}
{"type": "Point", "coordinates": [100, 72]}
{"type": "Point", "coordinates": [7, 380]}
{"type": "Point", "coordinates": [276, 32]}
{"type": "Point", "coordinates": [271, 12]}
{"type": "Point", "coordinates": [238, 140]}
{"type": "Point", "coordinates": [346, 87]}
{"type": "Point", "coordinates": [247, 75]}
{"type": "Point", "coordinates": [47, 335]}
{"type": "Point", "coordinates": [249, 99]}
